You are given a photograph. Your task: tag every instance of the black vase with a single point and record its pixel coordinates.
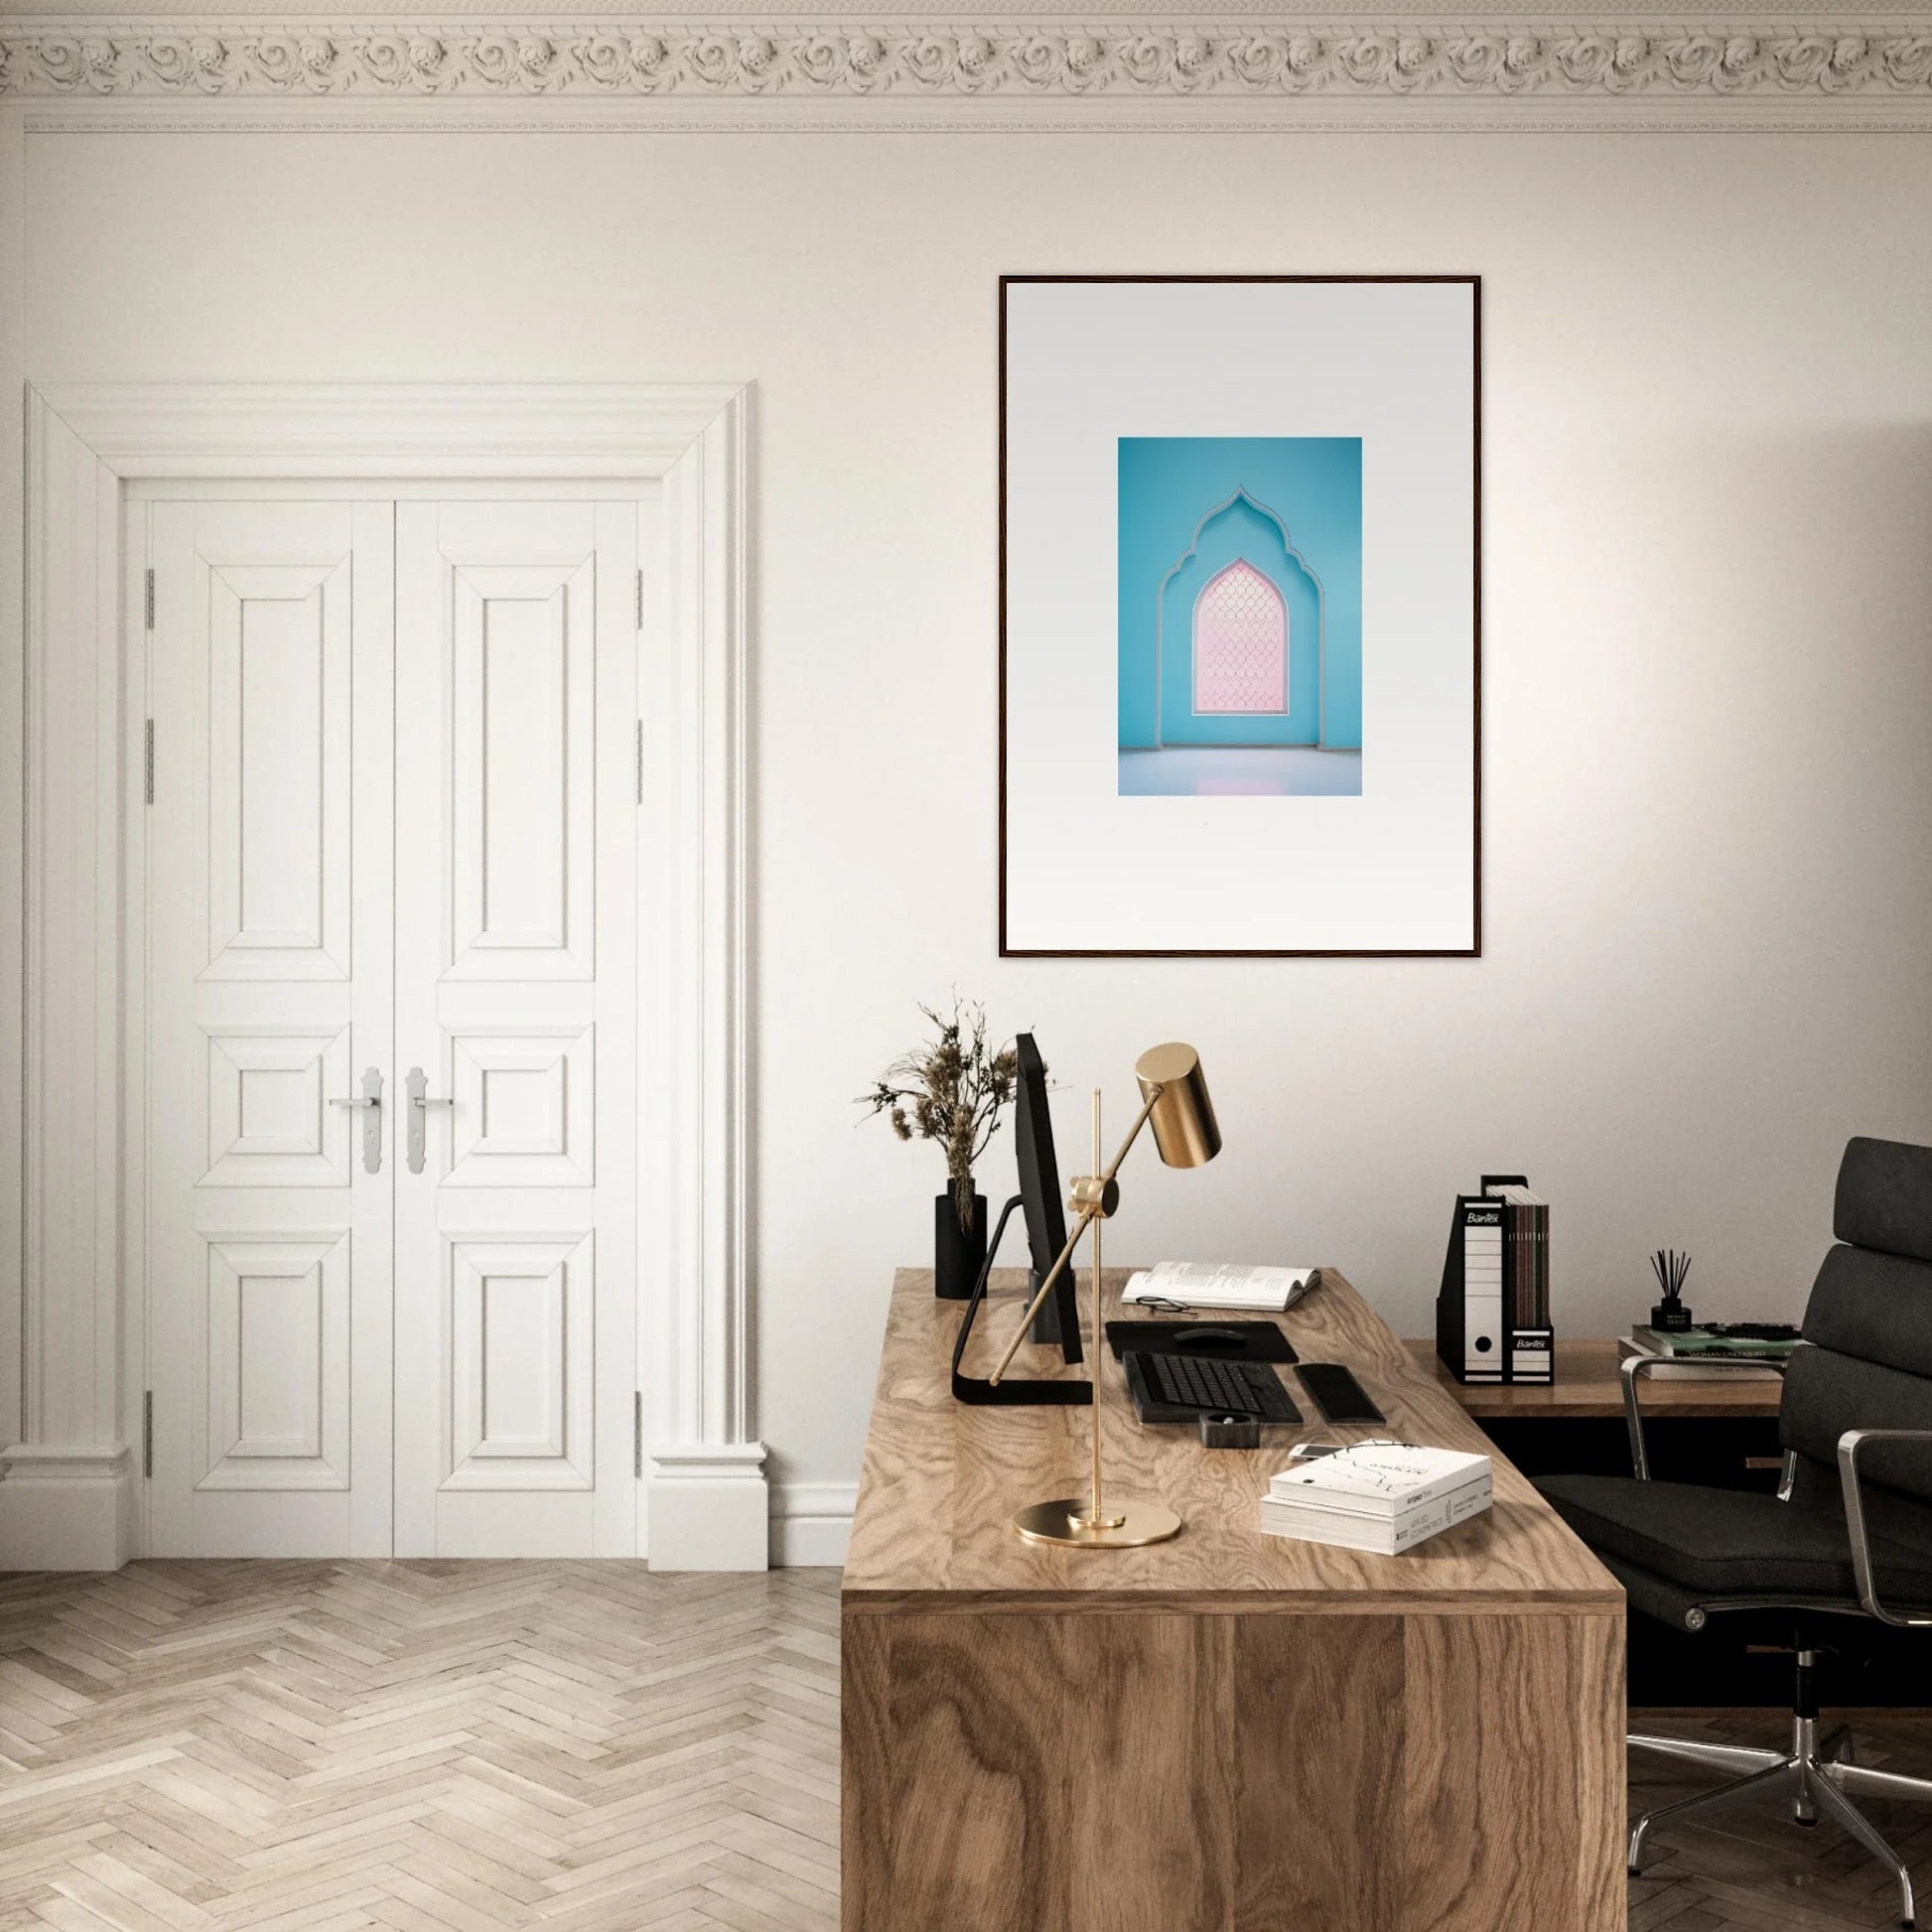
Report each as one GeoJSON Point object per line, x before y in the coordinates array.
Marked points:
{"type": "Point", "coordinates": [957, 1257]}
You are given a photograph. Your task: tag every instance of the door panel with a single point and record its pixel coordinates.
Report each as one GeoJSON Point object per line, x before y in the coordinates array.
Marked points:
{"type": "Point", "coordinates": [278, 667]}
{"type": "Point", "coordinates": [522, 797]}
{"type": "Point", "coordinates": [270, 1123]}
{"type": "Point", "coordinates": [515, 983]}
{"type": "Point", "coordinates": [270, 678]}
{"type": "Point", "coordinates": [524, 1107]}
{"type": "Point", "coordinates": [277, 1414]}
{"type": "Point", "coordinates": [520, 1362]}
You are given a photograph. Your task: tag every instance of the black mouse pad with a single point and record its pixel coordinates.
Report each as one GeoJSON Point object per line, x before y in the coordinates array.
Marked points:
{"type": "Point", "coordinates": [1225, 1341]}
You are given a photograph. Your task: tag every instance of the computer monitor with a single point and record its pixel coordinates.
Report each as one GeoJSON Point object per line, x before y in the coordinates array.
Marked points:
{"type": "Point", "coordinates": [1038, 1200]}
{"type": "Point", "coordinates": [1040, 1195]}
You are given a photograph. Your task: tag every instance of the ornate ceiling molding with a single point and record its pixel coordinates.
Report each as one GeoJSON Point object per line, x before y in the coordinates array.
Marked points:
{"type": "Point", "coordinates": [1880, 75]}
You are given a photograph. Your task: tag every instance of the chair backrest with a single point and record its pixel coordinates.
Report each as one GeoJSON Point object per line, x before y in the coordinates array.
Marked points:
{"type": "Point", "coordinates": [1868, 1324]}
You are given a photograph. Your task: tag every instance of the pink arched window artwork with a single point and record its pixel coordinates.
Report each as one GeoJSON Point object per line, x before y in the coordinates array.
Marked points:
{"type": "Point", "coordinates": [1240, 643]}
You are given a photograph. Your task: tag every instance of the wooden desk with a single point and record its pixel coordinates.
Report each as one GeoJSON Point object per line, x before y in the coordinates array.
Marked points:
{"type": "Point", "coordinates": [1227, 1732]}
{"type": "Point", "coordinates": [1587, 1386]}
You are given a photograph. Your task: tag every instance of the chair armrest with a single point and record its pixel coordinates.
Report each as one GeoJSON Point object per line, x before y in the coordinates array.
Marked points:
{"type": "Point", "coordinates": [1848, 1446]}
{"type": "Point", "coordinates": [1635, 1367]}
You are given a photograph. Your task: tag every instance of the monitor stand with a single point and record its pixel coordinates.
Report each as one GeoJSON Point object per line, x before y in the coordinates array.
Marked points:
{"type": "Point", "coordinates": [1013, 1391]}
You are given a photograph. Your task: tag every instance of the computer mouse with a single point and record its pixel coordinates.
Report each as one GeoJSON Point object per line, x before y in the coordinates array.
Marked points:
{"type": "Point", "coordinates": [1208, 1337]}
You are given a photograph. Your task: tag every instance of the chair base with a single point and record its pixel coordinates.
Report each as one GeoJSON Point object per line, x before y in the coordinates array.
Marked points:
{"type": "Point", "coordinates": [1817, 1775]}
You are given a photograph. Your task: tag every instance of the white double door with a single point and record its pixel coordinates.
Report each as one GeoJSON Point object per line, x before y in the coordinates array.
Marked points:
{"type": "Point", "coordinates": [391, 858]}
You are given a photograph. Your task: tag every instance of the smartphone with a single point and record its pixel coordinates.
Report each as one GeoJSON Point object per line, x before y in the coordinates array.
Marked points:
{"type": "Point", "coordinates": [1338, 1393]}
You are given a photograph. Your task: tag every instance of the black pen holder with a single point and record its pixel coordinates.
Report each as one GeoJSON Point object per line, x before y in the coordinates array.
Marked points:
{"type": "Point", "coordinates": [1671, 1317]}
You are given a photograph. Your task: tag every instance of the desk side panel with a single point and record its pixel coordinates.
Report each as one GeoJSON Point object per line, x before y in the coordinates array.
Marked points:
{"type": "Point", "coordinates": [1147, 1773]}
{"type": "Point", "coordinates": [1317, 1732]}
{"type": "Point", "coordinates": [865, 1766]}
{"type": "Point", "coordinates": [1513, 1795]}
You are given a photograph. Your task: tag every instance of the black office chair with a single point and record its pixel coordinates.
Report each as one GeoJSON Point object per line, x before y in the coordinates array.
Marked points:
{"type": "Point", "coordinates": [1849, 1536]}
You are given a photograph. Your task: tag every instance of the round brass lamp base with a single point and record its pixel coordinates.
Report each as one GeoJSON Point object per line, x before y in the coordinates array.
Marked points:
{"type": "Point", "coordinates": [1129, 1526]}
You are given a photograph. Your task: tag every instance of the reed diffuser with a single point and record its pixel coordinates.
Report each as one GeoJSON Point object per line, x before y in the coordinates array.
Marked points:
{"type": "Point", "coordinates": [1669, 1315]}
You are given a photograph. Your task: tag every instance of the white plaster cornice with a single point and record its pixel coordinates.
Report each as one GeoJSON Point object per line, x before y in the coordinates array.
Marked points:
{"type": "Point", "coordinates": [1246, 60]}
{"type": "Point", "coordinates": [1240, 70]}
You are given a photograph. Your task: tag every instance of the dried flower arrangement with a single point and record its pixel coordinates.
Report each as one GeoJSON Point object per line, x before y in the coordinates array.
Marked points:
{"type": "Point", "coordinates": [951, 1090]}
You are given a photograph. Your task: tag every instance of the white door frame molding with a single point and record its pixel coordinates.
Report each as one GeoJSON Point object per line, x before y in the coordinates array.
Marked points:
{"type": "Point", "coordinates": [69, 1465]}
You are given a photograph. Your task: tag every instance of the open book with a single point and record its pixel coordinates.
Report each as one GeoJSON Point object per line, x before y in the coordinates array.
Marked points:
{"type": "Point", "coordinates": [1212, 1284]}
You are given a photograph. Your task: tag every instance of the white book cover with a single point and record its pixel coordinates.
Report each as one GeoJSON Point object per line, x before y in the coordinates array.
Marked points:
{"type": "Point", "coordinates": [1384, 1477]}
{"type": "Point", "coordinates": [1317, 1504]}
{"type": "Point", "coordinates": [1380, 1535]}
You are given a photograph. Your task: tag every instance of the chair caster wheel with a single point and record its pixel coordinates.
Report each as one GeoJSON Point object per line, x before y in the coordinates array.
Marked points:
{"type": "Point", "coordinates": [1633, 1872]}
{"type": "Point", "coordinates": [1810, 1823]}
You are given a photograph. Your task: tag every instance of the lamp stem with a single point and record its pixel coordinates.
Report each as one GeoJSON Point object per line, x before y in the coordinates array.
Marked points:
{"type": "Point", "coordinates": [1093, 1515]}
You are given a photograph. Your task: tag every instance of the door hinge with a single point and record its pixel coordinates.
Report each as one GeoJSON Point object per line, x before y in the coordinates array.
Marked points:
{"type": "Point", "coordinates": [641, 598]}
{"type": "Point", "coordinates": [150, 600]}
{"type": "Point", "coordinates": [637, 1434]}
{"type": "Point", "coordinates": [147, 1433]}
{"type": "Point", "coordinates": [147, 762]}
{"type": "Point", "coordinates": [640, 761]}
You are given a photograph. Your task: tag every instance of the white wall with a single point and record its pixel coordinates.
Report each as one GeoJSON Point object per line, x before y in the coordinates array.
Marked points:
{"type": "Point", "coordinates": [1707, 651]}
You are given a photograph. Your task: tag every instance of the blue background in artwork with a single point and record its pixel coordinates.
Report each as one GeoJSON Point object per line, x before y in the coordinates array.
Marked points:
{"type": "Point", "coordinates": [1313, 484]}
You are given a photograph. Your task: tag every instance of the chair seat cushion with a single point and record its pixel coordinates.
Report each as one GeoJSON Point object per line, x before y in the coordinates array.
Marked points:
{"type": "Point", "coordinates": [1728, 1542]}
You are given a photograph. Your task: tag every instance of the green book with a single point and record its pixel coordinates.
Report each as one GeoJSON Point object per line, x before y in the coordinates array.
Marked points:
{"type": "Point", "coordinates": [1701, 1342]}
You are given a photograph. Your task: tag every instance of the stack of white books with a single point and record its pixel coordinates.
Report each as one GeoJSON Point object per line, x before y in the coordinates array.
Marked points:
{"type": "Point", "coordinates": [1381, 1497]}
{"type": "Point", "coordinates": [1220, 1284]}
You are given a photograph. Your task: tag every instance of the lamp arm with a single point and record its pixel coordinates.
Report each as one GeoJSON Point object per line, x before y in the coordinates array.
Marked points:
{"type": "Point", "coordinates": [1088, 1215]}
{"type": "Point", "coordinates": [1134, 1133]}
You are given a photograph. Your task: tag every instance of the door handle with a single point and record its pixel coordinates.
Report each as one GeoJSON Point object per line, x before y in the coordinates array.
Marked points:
{"type": "Point", "coordinates": [420, 1102]}
{"type": "Point", "coordinates": [370, 1101]}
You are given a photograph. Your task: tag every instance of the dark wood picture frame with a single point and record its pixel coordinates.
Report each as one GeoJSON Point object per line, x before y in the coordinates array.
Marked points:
{"type": "Point", "coordinates": [1474, 949]}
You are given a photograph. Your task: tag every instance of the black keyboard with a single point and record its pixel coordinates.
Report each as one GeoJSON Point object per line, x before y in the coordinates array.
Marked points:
{"type": "Point", "coordinates": [1208, 1387]}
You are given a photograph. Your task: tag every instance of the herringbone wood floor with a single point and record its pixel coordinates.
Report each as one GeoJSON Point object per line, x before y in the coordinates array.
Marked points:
{"type": "Point", "coordinates": [460, 1748]}
{"type": "Point", "coordinates": [429, 1747]}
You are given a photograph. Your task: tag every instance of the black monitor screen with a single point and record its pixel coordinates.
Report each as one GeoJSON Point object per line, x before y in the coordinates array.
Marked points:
{"type": "Point", "coordinates": [1040, 1189]}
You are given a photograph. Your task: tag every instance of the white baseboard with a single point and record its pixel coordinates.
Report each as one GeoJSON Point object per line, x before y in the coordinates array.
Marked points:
{"type": "Point", "coordinates": [709, 1507]}
{"type": "Point", "coordinates": [65, 1508]}
{"type": "Point", "coordinates": [811, 1523]}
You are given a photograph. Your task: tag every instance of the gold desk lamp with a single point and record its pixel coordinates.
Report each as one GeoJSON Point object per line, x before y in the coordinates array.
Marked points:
{"type": "Point", "coordinates": [1174, 1102]}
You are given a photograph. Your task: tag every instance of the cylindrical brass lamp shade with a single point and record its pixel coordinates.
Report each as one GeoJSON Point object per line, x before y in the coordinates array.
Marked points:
{"type": "Point", "coordinates": [1183, 1118]}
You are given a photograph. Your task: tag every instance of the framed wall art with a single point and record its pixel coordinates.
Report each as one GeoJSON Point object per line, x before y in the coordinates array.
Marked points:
{"type": "Point", "coordinates": [1240, 603]}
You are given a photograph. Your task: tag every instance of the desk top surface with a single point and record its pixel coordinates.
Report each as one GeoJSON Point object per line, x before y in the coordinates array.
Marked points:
{"type": "Point", "coordinates": [942, 1478]}
{"type": "Point", "coordinates": [1587, 1385]}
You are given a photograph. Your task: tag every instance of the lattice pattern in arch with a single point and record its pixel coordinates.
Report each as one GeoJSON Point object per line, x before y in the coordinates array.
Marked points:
{"type": "Point", "coordinates": [1240, 643]}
